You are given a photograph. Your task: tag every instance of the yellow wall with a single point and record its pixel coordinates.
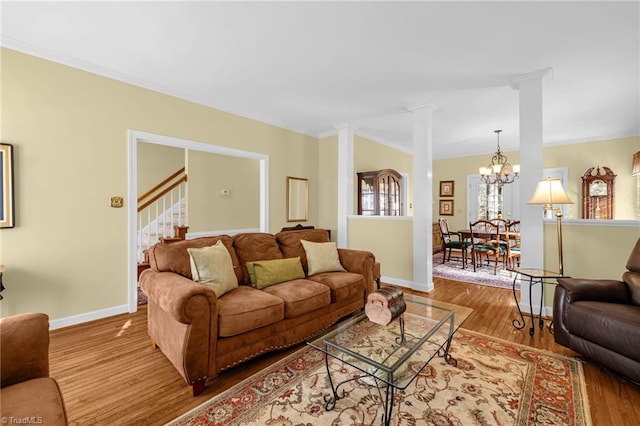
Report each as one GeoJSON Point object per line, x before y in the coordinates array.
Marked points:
{"type": "Point", "coordinates": [389, 239]}
{"type": "Point", "coordinates": [157, 162]}
{"type": "Point", "coordinates": [68, 252]}
{"type": "Point", "coordinates": [589, 251]}
{"type": "Point", "coordinates": [207, 209]}
{"type": "Point", "coordinates": [615, 154]}
{"type": "Point", "coordinates": [372, 156]}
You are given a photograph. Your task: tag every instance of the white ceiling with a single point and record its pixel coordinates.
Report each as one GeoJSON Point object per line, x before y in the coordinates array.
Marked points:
{"type": "Point", "coordinates": [312, 66]}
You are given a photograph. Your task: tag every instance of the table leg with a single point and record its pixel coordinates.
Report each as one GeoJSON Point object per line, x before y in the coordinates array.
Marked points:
{"type": "Point", "coordinates": [540, 320]}
{"type": "Point", "coordinates": [446, 355]}
{"type": "Point", "coordinates": [388, 404]}
{"type": "Point", "coordinates": [532, 329]}
{"type": "Point", "coordinates": [517, 323]}
{"type": "Point", "coordinates": [330, 400]}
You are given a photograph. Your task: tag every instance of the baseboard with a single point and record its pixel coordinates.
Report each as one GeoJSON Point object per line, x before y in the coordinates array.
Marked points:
{"type": "Point", "coordinates": [408, 284]}
{"type": "Point", "coordinates": [88, 316]}
{"type": "Point", "coordinates": [547, 311]}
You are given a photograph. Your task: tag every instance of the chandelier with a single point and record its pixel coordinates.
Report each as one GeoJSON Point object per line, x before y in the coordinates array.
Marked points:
{"type": "Point", "coordinates": [499, 172]}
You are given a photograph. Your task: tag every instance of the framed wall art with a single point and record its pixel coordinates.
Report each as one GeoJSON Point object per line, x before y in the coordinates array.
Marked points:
{"type": "Point", "coordinates": [446, 207]}
{"type": "Point", "coordinates": [446, 188]}
{"type": "Point", "coordinates": [6, 186]}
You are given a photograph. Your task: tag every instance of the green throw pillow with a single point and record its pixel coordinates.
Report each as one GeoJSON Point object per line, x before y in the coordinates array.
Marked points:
{"type": "Point", "coordinates": [264, 273]}
{"type": "Point", "coordinates": [213, 267]}
{"type": "Point", "coordinates": [322, 257]}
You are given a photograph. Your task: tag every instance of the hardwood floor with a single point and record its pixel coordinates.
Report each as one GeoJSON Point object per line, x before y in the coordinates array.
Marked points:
{"type": "Point", "coordinates": [110, 375]}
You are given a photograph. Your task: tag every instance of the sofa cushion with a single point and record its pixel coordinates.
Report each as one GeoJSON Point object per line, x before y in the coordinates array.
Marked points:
{"type": "Point", "coordinates": [37, 398]}
{"type": "Point", "coordinates": [322, 257]}
{"type": "Point", "coordinates": [301, 296]}
{"type": "Point", "coordinates": [246, 308]}
{"type": "Point", "coordinates": [173, 257]}
{"type": "Point", "coordinates": [254, 246]}
{"type": "Point", "coordinates": [611, 325]}
{"type": "Point", "coordinates": [264, 273]}
{"type": "Point", "coordinates": [290, 245]}
{"type": "Point", "coordinates": [343, 285]}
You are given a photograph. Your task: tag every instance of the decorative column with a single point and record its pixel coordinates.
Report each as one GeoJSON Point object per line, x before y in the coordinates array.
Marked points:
{"type": "Point", "coordinates": [345, 182]}
{"type": "Point", "coordinates": [529, 87]}
{"type": "Point", "coordinates": [422, 195]}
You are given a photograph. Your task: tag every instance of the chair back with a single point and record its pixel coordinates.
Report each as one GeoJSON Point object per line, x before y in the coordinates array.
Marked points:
{"type": "Point", "coordinates": [513, 230]}
{"type": "Point", "coordinates": [500, 223]}
{"type": "Point", "coordinates": [513, 226]}
{"type": "Point", "coordinates": [444, 230]}
{"type": "Point", "coordinates": [483, 230]}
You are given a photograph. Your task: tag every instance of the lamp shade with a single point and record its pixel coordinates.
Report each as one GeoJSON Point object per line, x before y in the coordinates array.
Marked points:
{"type": "Point", "coordinates": [635, 171]}
{"type": "Point", "coordinates": [550, 191]}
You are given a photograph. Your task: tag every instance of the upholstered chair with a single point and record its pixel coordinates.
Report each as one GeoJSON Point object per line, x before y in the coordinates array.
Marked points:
{"type": "Point", "coordinates": [26, 390]}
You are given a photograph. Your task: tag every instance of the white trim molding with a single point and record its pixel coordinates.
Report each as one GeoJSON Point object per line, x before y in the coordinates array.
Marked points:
{"type": "Point", "coordinates": [135, 136]}
{"type": "Point", "coordinates": [88, 316]}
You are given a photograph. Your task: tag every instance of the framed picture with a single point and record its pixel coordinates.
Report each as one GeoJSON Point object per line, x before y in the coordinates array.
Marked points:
{"type": "Point", "coordinates": [446, 188]}
{"type": "Point", "coordinates": [6, 186]}
{"type": "Point", "coordinates": [446, 207]}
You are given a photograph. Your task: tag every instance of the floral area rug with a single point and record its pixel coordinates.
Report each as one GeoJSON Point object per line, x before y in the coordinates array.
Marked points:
{"type": "Point", "coordinates": [494, 383]}
{"type": "Point", "coordinates": [483, 275]}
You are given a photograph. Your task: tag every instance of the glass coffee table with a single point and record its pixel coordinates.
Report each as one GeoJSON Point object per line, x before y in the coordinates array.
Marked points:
{"type": "Point", "coordinates": [390, 357]}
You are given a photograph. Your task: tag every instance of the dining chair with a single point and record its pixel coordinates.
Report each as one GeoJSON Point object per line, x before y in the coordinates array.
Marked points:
{"type": "Point", "coordinates": [512, 256]}
{"type": "Point", "coordinates": [452, 241]}
{"type": "Point", "coordinates": [486, 243]}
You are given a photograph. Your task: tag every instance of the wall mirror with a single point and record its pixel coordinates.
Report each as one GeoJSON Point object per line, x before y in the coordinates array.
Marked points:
{"type": "Point", "coordinates": [297, 199]}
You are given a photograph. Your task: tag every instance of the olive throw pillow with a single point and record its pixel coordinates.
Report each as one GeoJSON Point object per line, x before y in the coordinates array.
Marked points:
{"type": "Point", "coordinates": [264, 273]}
{"type": "Point", "coordinates": [212, 266]}
{"type": "Point", "coordinates": [322, 257]}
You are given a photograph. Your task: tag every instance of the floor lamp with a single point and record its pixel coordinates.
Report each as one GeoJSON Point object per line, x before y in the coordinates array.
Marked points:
{"type": "Point", "coordinates": [549, 192]}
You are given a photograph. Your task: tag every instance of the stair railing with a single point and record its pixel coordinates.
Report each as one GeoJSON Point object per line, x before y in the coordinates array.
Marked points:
{"type": "Point", "coordinates": [161, 211]}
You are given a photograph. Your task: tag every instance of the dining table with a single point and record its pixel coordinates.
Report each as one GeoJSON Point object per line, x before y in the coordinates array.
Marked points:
{"type": "Point", "coordinates": [465, 235]}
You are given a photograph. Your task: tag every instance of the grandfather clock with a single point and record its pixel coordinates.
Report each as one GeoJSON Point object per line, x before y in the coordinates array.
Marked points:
{"type": "Point", "coordinates": [598, 193]}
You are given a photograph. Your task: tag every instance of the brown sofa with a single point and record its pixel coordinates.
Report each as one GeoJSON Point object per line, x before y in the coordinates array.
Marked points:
{"type": "Point", "coordinates": [202, 335]}
{"type": "Point", "coordinates": [28, 394]}
{"type": "Point", "coordinates": [600, 319]}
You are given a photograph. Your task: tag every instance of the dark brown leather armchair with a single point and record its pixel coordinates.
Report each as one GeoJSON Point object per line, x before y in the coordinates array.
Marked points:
{"type": "Point", "coordinates": [600, 319]}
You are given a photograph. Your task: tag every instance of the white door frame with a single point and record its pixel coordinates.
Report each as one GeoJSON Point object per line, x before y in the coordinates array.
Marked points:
{"type": "Point", "coordinates": [135, 136]}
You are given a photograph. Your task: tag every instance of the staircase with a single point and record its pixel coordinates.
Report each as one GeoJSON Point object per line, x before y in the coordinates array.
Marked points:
{"type": "Point", "coordinates": [161, 215]}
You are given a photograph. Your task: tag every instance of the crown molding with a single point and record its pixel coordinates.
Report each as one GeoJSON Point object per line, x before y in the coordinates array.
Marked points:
{"type": "Point", "coordinates": [545, 75]}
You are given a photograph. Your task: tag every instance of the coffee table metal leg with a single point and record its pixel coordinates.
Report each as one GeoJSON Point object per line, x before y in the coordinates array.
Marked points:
{"type": "Point", "coordinates": [388, 404]}
{"type": "Point", "coordinates": [444, 353]}
{"type": "Point", "coordinates": [330, 400]}
{"type": "Point", "coordinates": [400, 339]}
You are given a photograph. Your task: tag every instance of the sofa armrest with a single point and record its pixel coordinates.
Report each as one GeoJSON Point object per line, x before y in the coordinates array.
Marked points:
{"type": "Point", "coordinates": [24, 340]}
{"type": "Point", "coordinates": [611, 291]}
{"type": "Point", "coordinates": [360, 262]}
{"type": "Point", "coordinates": [171, 292]}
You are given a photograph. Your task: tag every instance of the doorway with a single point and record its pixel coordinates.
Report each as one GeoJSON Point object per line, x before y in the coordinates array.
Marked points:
{"type": "Point", "coordinates": [135, 137]}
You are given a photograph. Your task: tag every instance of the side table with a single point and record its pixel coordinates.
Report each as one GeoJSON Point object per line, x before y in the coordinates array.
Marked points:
{"type": "Point", "coordinates": [536, 276]}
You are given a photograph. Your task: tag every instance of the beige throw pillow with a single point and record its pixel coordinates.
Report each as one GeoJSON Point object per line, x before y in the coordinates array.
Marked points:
{"type": "Point", "coordinates": [322, 257]}
{"type": "Point", "coordinates": [212, 266]}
